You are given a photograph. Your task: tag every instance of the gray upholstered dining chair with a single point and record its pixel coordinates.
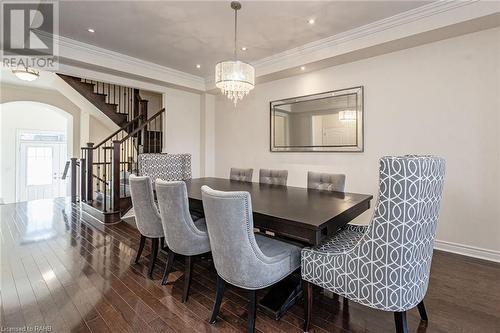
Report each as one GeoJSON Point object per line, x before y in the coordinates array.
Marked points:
{"type": "Point", "coordinates": [326, 181]}
{"type": "Point", "coordinates": [275, 177]}
{"type": "Point", "coordinates": [183, 235]}
{"type": "Point", "coordinates": [386, 264]}
{"type": "Point", "coordinates": [242, 258]}
{"type": "Point", "coordinates": [146, 216]}
{"type": "Point", "coordinates": [244, 175]}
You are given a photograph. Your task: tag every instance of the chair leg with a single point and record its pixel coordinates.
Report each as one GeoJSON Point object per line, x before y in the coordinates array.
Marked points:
{"type": "Point", "coordinates": [400, 321]}
{"type": "Point", "coordinates": [154, 254]}
{"type": "Point", "coordinates": [218, 299]}
{"type": "Point", "coordinates": [168, 266]}
{"type": "Point", "coordinates": [252, 305]}
{"type": "Point", "coordinates": [308, 297]}
{"type": "Point", "coordinates": [141, 247]}
{"type": "Point", "coordinates": [422, 311]}
{"type": "Point", "coordinates": [187, 277]}
{"type": "Point", "coordinates": [162, 243]}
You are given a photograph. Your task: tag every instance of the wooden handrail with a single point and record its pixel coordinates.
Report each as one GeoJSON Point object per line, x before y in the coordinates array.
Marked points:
{"type": "Point", "coordinates": [116, 132]}
{"type": "Point", "coordinates": [141, 127]}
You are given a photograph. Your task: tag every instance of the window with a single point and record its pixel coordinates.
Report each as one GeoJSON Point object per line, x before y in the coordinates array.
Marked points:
{"type": "Point", "coordinates": [39, 166]}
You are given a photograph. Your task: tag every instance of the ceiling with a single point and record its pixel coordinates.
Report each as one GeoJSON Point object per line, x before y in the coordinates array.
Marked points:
{"type": "Point", "coordinates": [182, 34]}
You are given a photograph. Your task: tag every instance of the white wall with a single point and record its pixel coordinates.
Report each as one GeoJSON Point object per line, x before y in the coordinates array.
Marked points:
{"type": "Point", "coordinates": [13, 93]}
{"type": "Point", "coordinates": [29, 116]}
{"type": "Point", "coordinates": [183, 128]}
{"type": "Point", "coordinates": [440, 98]}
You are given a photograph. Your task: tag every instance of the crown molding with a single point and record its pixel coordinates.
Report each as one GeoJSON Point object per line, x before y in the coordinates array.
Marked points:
{"type": "Point", "coordinates": [403, 18]}
{"type": "Point", "coordinates": [424, 19]}
{"type": "Point", "coordinates": [90, 54]}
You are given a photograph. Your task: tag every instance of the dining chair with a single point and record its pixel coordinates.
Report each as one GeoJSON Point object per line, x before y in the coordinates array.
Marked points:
{"type": "Point", "coordinates": [244, 175]}
{"type": "Point", "coordinates": [326, 181]}
{"type": "Point", "coordinates": [384, 265]}
{"type": "Point", "coordinates": [183, 235]}
{"type": "Point", "coordinates": [146, 216]}
{"type": "Point", "coordinates": [275, 177]}
{"type": "Point", "coordinates": [241, 258]}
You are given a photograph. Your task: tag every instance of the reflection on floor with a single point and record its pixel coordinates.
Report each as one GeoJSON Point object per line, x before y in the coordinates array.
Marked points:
{"type": "Point", "coordinates": [60, 268]}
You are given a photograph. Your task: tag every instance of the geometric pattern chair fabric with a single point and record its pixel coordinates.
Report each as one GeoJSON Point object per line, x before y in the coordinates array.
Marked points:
{"type": "Point", "coordinates": [386, 264]}
{"type": "Point", "coordinates": [244, 175]}
{"type": "Point", "coordinates": [274, 177]}
{"type": "Point", "coordinates": [326, 181]}
{"type": "Point", "coordinates": [165, 166]}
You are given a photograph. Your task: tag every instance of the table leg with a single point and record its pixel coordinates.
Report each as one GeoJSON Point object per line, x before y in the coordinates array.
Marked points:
{"type": "Point", "coordinates": [282, 296]}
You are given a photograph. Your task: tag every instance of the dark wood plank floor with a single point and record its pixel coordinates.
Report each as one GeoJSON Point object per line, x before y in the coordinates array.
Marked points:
{"type": "Point", "coordinates": [62, 270]}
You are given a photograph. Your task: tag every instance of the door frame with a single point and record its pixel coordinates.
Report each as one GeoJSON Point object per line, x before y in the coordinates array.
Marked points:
{"type": "Point", "coordinates": [17, 162]}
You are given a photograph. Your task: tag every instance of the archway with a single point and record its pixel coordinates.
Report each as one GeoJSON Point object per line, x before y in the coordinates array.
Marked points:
{"type": "Point", "coordinates": [36, 142]}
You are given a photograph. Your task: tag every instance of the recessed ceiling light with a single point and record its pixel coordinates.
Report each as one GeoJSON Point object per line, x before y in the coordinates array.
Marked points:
{"type": "Point", "coordinates": [243, 48]}
{"type": "Point", "coordinates": [302, 68]}
{"type": "Point", "coordinates": [91, 30]}
{"type": "Point", "coordinates": [311, 21]}
{"type": "Point", "coordinates": [198, 66]}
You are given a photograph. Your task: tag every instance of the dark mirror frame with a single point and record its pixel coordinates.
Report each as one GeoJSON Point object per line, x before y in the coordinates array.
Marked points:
{"type": "Point", "coordinates": [359, 147]}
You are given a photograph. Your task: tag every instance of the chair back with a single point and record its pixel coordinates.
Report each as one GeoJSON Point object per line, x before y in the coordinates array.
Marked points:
{"type": "Point", "coordinates": [165, 166]}
{"type": "Point", "coordinates": [237, 257]}
{"type": "Point", "coordinates": [398, 244]}
{"type": "Point", "coordinates": [181, 234]}
{"type": "Point", "coordinates": [326, 181]}
{"type": "Point", "coordinates": [244, 175]}
{"type": "Point", "coordinates": [275, 177]}
{"type": "Point", "coordinates": [146, 213]}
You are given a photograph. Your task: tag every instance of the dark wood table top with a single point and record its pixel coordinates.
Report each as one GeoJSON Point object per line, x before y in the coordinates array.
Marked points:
{"type": "Point", "coordinates": [308, 207]}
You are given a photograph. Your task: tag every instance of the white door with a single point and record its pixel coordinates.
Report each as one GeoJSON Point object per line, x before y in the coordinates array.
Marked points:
{"type": "Point", "coordinates": [41, 165]}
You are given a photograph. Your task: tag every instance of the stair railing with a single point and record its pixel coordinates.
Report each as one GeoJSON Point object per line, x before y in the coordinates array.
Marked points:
{"type": "Point", "coordinates": [106, 166]}
{"type": "Point", "coordinates": [95, 163]}
{"type": "Point", "coordinates": [146, 139]}
{"type": "Point", "coordinates": [123, 97]}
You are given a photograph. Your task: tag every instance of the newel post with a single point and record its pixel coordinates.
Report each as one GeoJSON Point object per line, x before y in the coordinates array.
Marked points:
{"type": "Point", "coordinates": [73, 179]}
{"type": "Point", "coordinates": [115, 171]}
{"type": "Point", "coordinates": [90, 171]}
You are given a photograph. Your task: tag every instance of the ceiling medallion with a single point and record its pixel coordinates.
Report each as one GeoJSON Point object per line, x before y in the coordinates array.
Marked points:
{"type": "Point", "coordinates": [233, 77]}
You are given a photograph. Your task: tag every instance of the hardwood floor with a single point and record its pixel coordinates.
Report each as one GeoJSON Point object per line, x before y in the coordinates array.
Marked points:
{"type": "Point", "coordinates": [63, 271]}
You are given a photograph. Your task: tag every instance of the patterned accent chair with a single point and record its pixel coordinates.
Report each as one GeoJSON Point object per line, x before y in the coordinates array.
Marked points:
{"type": "Point", "coordinates": [274, 177]}
{"type": "Point", "coordinates": [242, 258]}
{"type": "Point", "coordinates": [183, 235]}
{"type": "Point", "coordinates": [386, 264]}
{"type": "Point", "coordinates": [146, 216]}
{"type": "Point", "coordinates": [165, 166]}
{"type": "Point", "coordinates": [244, 175]}
{"type": "Point", "coordinates": [326, 181]}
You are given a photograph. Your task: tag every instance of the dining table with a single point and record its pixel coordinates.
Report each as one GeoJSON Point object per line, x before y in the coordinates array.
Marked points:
{"type": "Point", "coordinates": [303, 216]}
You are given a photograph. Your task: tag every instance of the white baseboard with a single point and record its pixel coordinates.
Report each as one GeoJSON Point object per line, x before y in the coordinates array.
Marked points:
{"type": "Point", "coordinates": [466, 250]}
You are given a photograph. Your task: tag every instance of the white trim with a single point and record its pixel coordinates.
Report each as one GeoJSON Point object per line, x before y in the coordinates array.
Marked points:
{"type": "Point", "coordinates": [467, 250]}
{"type": "Point", "coordinates": [97, 56]}
{"type": "Point", "coordinates": [366, 30]}
{"type": "Point", "coordinates": [424, 19]}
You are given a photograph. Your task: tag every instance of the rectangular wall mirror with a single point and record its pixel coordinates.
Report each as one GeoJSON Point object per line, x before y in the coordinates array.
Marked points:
{"type": "Point", "coordinates": [325, 122]}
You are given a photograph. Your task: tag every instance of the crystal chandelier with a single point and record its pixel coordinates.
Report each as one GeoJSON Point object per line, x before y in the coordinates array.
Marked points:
{"type": "Point", "coordinates": [233, 77]}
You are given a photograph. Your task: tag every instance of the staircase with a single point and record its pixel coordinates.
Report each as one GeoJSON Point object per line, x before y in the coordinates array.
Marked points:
{"type": "Point", "coordinates": [105, 167]}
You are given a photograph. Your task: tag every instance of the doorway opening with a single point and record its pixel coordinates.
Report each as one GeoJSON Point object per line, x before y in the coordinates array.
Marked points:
{"type": "Point", "coordinates": [37, 140]}
{"type": "Point", "coordinates": [41, 160]}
